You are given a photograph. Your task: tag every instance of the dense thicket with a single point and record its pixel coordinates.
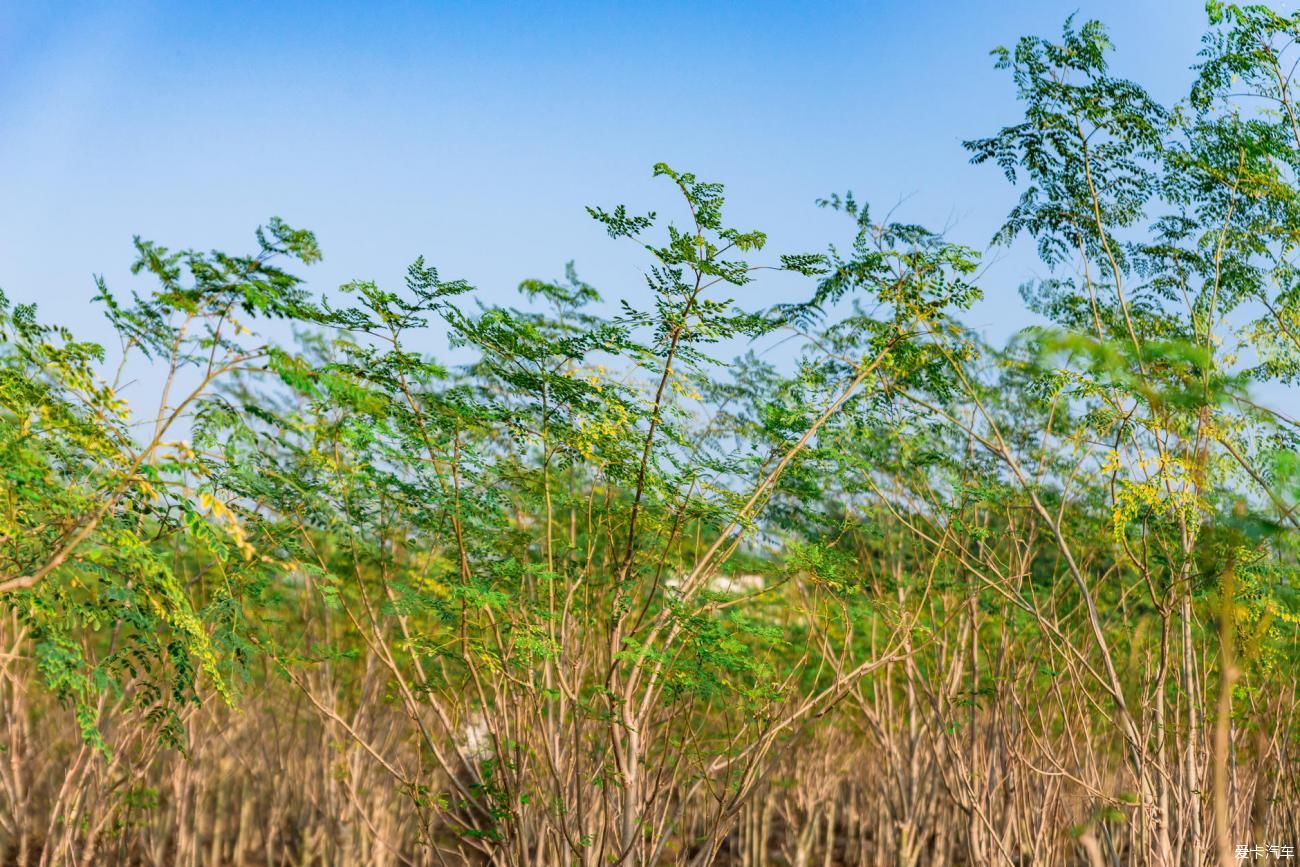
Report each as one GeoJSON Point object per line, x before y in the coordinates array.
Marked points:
{"type": "Point", "coordinates": [874, 593]}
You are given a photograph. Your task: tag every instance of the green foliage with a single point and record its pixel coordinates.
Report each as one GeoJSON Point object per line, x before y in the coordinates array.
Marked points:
{"type": "Point", "coordinates": [106, 534]}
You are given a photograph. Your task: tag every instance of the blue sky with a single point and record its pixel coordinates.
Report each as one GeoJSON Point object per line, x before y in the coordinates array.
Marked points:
{"type": "Point", "coordinates": [475, 133]}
